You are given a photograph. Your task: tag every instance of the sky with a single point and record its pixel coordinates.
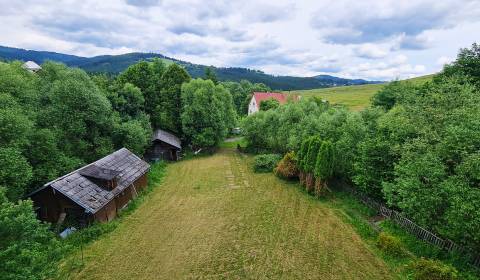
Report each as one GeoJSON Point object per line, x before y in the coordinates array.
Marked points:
{"type": "Point", "coordinates": [369, 39]}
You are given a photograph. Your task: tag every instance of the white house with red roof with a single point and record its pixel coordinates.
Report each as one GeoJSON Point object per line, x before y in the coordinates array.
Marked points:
{"type": "Point", "coordinates": [258, 97]}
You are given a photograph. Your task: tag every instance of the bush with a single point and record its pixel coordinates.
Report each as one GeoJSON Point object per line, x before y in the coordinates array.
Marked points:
{"type": "Point", "coordinates": [390, 245]}
{"type": "Point", "coordinates": [287, 167]}
{"type": "Point", "coordinates": [425, 269]}
{"type": "Point", "coordinates": [266, 162]}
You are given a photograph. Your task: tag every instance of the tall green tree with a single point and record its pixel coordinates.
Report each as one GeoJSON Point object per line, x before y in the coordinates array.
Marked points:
{"type": "Point", "coordinates": [203, 116]}
{"type": "Point", "coordinates": [211, 75]}
{"type": "Point", "coordinates": [167, 113]}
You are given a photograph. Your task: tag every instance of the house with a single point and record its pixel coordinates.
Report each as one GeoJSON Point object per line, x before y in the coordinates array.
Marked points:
{"type": "Point", "coordinates": [165, 146]}
{"type": "Point", "coordinates": [95, 192]}
{"type": "Point", "coordinates": [258, 97]}
{"type": "Point", "coordinates": [31, 66]}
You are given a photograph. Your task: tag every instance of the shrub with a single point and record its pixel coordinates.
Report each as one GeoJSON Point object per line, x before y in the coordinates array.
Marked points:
{"type": "Point", "coordinates": [390, 245]}
{"type": "Point", "coordinates": [287, 167]}
{"type": "Point", "coordinates": [266, 162]}
{"type": "Point", "coordinates": [425, 269]}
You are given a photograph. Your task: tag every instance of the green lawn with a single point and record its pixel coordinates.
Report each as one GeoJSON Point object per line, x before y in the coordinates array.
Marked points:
{"type": "Point", "coordinates": [213, 218]}
{"type": "Point", "coordinates": [354, 97]}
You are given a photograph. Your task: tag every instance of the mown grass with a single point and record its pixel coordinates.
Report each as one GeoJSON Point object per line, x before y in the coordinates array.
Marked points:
{"type": "Point", "coordinates": [354, 97]}
{"type": "Point", "coordinates": [198, 224]}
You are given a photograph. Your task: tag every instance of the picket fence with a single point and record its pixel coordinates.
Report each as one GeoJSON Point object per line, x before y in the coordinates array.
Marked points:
{"type": "Point", "coordinates": [416, 230]}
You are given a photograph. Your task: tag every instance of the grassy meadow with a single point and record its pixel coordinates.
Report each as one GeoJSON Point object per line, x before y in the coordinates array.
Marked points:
{"type": "Point", "coordinates": [213, 218]}
{"type": "Point", "coordinates": [354, 97]}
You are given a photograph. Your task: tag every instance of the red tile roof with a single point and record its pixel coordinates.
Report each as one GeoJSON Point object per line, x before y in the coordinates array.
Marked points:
{"type": "Point", "coordinates": [261, 96]}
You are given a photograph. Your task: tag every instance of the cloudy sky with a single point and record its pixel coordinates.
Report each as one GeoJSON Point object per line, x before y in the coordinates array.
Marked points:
{"type": "Point", "coordinates": [371, 39]}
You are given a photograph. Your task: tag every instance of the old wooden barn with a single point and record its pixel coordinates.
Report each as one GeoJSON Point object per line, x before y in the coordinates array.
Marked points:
{"type": "Point", "coordinates": [165, 146]}
{"type": "Point", "coordinates": [95, 192]}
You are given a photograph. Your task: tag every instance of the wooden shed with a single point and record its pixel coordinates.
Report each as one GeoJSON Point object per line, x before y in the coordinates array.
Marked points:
{"type": "Point", "coordinates": [165, 146]}
{"type": "Point", "coordinates": [95, 192]}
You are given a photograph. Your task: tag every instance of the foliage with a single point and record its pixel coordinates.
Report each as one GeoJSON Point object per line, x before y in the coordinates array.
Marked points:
{"type": "Point", "coordinates": [15, 172]}
{"type": "Point", "coordinates": [312, 154]}
{"type": "Point", "coordinates": [207, 113]}
{"type": "Point", "coordinates": [242, 94]}
{"type": "Point", "coordinates": [210, 75]}
{"type": "Point", "coordinates": [287, 167]}
{"type": "Point", "coordinates": [167, 113]}
{"type": "Point", "coordinates": [268, 104]}
{"type": "Point", "coordinates": [391, 93]}
{"type": "Point", "coordinates": [28, 250]}
{"type": "Point", "coordinates": [266, 162]}
{"type": "Point", "coordinates": [466, 65]}
{"type": "Point", "coordinates": [390, 245]}
{"type": "Point", "coordinates": [425, 269]}
{"type": "Point", "coordinates": [324, 163]}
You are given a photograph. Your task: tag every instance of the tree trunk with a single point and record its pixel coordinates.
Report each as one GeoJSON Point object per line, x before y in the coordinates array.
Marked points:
{"type": "Point", "coordinates": [309, 184]}
{"type": "Point", "coordinates": [301, 176]}
{"type": "Point", "coordinates": [321, 187]}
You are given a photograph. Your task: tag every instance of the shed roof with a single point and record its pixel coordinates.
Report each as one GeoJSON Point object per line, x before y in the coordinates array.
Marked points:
{"type": "Point", "coordinates": [31, 65]}
{"type": "Point", "coordinates": [167, 137]}
{"type": "Point", "coordinates": [123, 165]}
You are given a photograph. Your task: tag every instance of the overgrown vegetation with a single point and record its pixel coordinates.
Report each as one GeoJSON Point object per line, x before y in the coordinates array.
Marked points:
{"type": "Point", "coordinates": [266, 163]}
{"type": "Point", "coordinates": [416, 148]}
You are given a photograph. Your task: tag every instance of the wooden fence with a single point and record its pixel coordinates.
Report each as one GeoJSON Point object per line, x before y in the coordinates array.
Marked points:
{"type": "Point", "coordinates": [416, 230]}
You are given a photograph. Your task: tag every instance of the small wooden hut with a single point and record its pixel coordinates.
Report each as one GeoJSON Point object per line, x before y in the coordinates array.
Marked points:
{"type": "Point", "coordinates": [165, 146]}
{"type": "Point", "coordinates": [95, 192]}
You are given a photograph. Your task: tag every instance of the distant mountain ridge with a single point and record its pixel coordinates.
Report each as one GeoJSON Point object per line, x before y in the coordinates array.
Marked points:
{"type": "Point", "coordinates": [117, 63]}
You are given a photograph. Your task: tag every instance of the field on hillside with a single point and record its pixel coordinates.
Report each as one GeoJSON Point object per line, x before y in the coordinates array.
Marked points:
{"type": "Point", "coordinates": [354, 97]}
{"type": "Point", "coordinates": [213, 218]}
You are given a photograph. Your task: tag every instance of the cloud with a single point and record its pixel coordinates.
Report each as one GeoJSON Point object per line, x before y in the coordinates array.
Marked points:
{"type": "Point", "coordinates": [359, 39]}
{"type": "Point", "coordinates": [418, 42]}
{"type": "Point", "coordinates": [444, 60]}
{"type": "Point", "coordinates": [370, 51]}
{"type": "Point", "coordinates": [143, 3]}
{"type": "Point", "coordinates": [349, 22]}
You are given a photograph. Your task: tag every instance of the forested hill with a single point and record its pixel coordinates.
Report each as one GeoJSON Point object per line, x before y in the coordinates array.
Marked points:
{"type": "Point", "coordinates": [117, 63]}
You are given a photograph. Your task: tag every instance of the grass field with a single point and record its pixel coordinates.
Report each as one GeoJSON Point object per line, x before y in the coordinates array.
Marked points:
{"type": "Point", "coordinates": [213, 218]}
{"type": "Point", "coordinates": [354, 97]}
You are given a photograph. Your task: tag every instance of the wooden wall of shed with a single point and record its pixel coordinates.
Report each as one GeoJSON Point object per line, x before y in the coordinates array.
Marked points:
{"type": "Point", "coordinates": [51, 204]}
{"type": "Point", "coordinates": [107, 213]}
{"type": "Point", "coordinates": [162, 150]}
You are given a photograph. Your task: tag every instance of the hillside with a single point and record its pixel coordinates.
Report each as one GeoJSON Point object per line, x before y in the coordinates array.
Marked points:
{"type": "Point", "coordinates": [354, 97]}
{"type": "Point", "coordinates": [117, 63]}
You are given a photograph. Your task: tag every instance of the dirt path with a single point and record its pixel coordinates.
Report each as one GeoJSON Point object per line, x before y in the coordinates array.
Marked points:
{"type": "Point", "coordinates": [212, 218]}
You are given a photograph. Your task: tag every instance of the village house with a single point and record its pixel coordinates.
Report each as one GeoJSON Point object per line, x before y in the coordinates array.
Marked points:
{"type": "Point", "coordinates": [165, 146]}
{"type": "Point", "coordinates": [95, 192]}
{"type": "Point", "coordinates": [258, 97]}
{"type": "Point", "coordinates": [31, 66]}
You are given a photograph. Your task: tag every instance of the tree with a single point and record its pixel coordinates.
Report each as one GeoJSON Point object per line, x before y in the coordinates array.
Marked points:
{"type": "Point", "coordinates": [210, 75]}
{"type": "Point", "coordinates": [389, 95]}
{"type": "Point", "coordinates": [14, 127]}
{"type": "Point", "coordinates": [129, 101]}
{"type": "Point", "coordinates": [15, 172]}
{"type": "Point", "coordinates": [311, 160]}
{"type": "Point", "coordinates": [133, 136]}
{"type": "Point", "coordinates": [78, 113]}
{"type": "Point", "coordinates": [268, 104]}
{"type": "Point", "coordinates": [203, 116]}
{"type": "Point", "coordinates": [167, 113]}
{"type": "Point", "coordinates": [28, 249]}
{"type": "Point", "coordinates": [324, 166]}
{"type": "Point", "coordinates": [466, 65]}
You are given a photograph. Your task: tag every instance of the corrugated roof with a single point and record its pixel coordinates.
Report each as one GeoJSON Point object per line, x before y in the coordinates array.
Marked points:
{"type": "Point", "coordinates": [167, 137]}
{"type": "Point", "coordinates": [127, 166]}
